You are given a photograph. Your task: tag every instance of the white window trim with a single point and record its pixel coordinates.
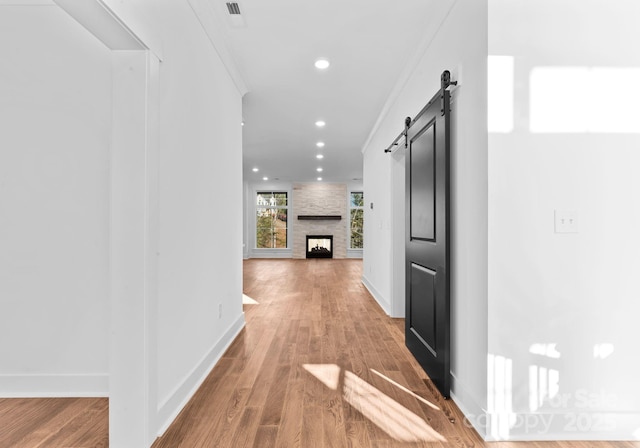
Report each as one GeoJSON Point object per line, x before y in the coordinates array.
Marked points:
{"type": "Point", "coordinates": [256, 252]}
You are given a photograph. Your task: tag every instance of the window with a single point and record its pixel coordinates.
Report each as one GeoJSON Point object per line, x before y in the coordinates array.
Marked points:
{"type": "Point", "coordinates": [356, 219]}
{"type": "Point", "coordinates": [271, 219]}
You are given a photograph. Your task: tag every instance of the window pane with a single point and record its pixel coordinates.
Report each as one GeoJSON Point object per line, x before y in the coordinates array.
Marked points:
{"type": "Point", "coordinates": [271, 228]}
{"type": "Point", "coordinates": [263, 198]}
{"type": "Point", "coordinates": [280, 227]}
{"type": "Point", "coordinates": [357, 199]}
{"type": "Point", "coordinates": [357, 219]}
{"type": "Point", "coordinates": [273, 199]}
{"type": "Point", "coordinates": [280, 199]}
{"type": "Point", "coordinates": [264, 233]}
{"type": "Point", "coordinates": [356, 240]}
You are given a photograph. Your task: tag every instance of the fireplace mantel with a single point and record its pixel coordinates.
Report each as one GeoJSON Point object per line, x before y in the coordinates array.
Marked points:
{"type": "Point", "coordinates": [320, 217]}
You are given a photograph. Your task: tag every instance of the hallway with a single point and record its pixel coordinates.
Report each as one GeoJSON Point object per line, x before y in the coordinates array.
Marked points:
{"type": "Point", "coordinates": [318, 364]}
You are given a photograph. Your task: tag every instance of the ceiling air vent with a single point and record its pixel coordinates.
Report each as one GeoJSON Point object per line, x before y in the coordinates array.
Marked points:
{"type": "Point", "coordinates": [234, 8]}
{"type": "Point", "coordinates": [235, 17]}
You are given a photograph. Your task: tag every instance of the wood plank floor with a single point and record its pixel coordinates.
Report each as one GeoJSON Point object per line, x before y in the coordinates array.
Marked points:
{"type": "Point", "coordinates": [319, 364]}
{"type": "Point", "coordinates": [54, 422]}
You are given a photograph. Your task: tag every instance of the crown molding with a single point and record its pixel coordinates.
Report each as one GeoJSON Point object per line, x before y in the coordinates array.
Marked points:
{"type": "Point", "coordinates": [211, 25]}
{"type": "Point", "coordinates": [440, 15]}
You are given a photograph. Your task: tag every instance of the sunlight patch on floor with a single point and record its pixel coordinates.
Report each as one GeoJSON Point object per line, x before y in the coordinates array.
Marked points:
{"type": "Point", "coordinates": [397, 421]}
{"type": "Point", "coordinates": [328, 374]}
{"type": "Point", "coordinates": [404, 389]}
{"type": "Point", "coordinates": [246, 300]}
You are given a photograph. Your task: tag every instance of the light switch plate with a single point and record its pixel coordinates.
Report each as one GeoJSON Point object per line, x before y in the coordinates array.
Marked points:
{"type": "Point", "coordinates": [566, 221]}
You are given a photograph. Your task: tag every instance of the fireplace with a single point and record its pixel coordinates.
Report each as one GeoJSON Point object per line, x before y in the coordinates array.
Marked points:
{"type": "Point", "coordinates": [319, 246]}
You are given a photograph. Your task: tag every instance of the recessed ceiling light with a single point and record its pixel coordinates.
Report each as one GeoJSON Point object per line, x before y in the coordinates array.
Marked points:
{"type": "Point", "coordinates": [319, 170]}
{"type": "Point", "coordinates": [322, 64]}
{"type": "Point", "coordinates": [265, 178]}
{"type": "Point", "coordinates": [320, 144]}
{"type": "Point", "coordinates": [320, 123]}
{"type": "Point", "coordinates": [242, 123]}
{"type": "Point", "coordinates": [255, 170]}
{"type": "Point", "coordinates": [319, 178]}
{"type": "Point", "coordinates": [319, 156]}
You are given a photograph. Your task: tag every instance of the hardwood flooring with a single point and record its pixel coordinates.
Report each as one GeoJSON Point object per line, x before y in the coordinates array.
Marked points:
{"type": "Point", "coordinates": [54, 422]}
{"type": "Point", "coordinates": [319, 364]}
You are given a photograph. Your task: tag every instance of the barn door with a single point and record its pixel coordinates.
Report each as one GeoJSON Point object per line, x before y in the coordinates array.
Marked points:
{"type": "Point", "coordinates": [427, 240]}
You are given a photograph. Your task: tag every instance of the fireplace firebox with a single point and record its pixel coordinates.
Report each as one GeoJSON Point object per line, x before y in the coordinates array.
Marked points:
{"type": "Point", "coordinates": [319, 246]}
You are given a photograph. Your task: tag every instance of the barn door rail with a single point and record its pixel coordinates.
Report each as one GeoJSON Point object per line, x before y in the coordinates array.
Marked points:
{"type": "Point", "coordinates": [445, 82]}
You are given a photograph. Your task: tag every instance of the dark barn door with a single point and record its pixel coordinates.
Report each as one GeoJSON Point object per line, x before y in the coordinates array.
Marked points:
{"type": "Point", "coordinates": [427, 240]}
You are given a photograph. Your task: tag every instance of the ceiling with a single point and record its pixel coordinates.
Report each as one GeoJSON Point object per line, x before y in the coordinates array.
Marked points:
{"type": "Point", "coordinates": [274, 45]}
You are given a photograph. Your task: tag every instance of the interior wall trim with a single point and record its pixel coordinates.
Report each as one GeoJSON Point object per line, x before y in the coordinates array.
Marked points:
{"type": "Point", "coordinates": [474, 412]}
{"type": "Point", "coordinates": [170, 406]}
{"type": "Point", "coordinates": [382, 301]}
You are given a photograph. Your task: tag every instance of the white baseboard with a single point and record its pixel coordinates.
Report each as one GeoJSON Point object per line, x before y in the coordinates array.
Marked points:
{"type": "Point", "coordinates": [169, 409]}
{"type": "Point", "coordinates": [384, 304]}
{"type": "Point", "coordinates": [473, 410]}
{"type": "Point", "coordinates": [354, 253]}
{"type": "Point", "coordinates": [560, 424]}
{"type": "Point", "coordinates": [54, 385]}
{"type": "Point", "coordinates": [275, 253]}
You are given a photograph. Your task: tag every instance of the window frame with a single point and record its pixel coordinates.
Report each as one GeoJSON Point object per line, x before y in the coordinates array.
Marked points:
{"type": "Point", "coordinates": [256, 207]}
{"type": "Point", "coordinates": [352, 207]}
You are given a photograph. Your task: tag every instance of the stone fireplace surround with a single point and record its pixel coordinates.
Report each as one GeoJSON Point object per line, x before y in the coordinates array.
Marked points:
{"type": "Point", "coordinates": [321, 199]}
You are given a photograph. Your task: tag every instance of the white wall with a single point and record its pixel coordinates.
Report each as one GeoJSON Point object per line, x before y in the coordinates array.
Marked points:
{"type": "Point", "coordinates": [376, 254]}
{"type": "Point", "coordinates": [200, 201]}
{"type": "Point", "coordinates": [55, 185]}
{"type": "Point", "coordinates": [458, 43]}
{"type": "Point", "coordinates": [55, 85]}
{"type": "Point", "coordinates": [563, 307]}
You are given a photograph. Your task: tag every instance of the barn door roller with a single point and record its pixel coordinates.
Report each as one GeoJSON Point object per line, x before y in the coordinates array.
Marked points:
{"type": "Point", "coordinates": [445, 82]}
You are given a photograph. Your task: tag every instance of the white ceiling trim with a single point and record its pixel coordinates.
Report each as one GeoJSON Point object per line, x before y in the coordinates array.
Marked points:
{"type": "Point", "coordinates": [103, 23]}
{"type": "Point", "coordinates": [210, 24]}
{"type": "Point", "coordinates": [406, 73]}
